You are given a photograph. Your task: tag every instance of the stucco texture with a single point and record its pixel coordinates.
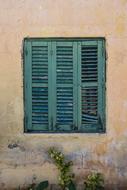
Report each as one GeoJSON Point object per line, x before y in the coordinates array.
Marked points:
{"type": "Point", "coordinates": [23, 157]}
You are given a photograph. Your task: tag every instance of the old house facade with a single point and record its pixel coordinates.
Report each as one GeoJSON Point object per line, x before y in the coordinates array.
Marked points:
{"type": "Point", "coordinates": [23, 157]}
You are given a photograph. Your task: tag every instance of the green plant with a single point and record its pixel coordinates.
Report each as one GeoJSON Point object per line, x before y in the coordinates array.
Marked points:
{"type": "Point", "coordinates": [94, 181]}
{"type": "Point", "coordinates": [65, 177]}
{"type": "Point", "coordinates": [71, 186]}
{"type": "Point", "coordinates": [42, 185]}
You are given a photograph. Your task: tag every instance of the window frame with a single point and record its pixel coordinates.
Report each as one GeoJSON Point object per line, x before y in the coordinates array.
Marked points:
{"type": "Point", "coordinates": [102, 39]}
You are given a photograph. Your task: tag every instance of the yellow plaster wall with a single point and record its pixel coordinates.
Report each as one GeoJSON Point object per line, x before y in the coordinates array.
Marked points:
{"type": "Point", "coordinates": [23, 157]}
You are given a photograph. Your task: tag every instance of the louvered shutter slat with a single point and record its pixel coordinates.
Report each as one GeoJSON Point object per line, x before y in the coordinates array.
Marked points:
{"type": "Point", "coordinates": [64, 77]}
{"type": "Point", "coordinates": [64, 86]}
{"type": "Point", "coordinates": [37, 85]}
{"type": "Point", "coordinates": [89, 94]}
{"type": "Point", "coordinates": [40, 92]}
{"type": "Point", "coordinates": [91, 69]}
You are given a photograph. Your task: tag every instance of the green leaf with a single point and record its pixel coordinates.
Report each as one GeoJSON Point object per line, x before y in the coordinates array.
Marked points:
{"type": "Point", "coordinates": [71, 186]}
{"type": "Point", "coordinates": [42, 185]}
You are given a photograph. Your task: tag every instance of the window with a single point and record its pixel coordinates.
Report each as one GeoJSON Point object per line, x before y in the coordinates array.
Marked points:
{"type": "Point", "coordinates": [64, 85]}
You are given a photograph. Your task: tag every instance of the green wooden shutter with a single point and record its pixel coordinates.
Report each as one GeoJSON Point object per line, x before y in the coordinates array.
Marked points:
{"type": "Point", "coordinates": [64, 85]}
{"type": "Point", "coordinates": [37, 86]}
{"type": "Point", "coordinates": [64, 75]}
{"type": "Point", "coordinates": [91, 86]}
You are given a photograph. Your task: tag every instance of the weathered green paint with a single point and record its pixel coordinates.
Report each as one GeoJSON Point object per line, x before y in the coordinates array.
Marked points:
{"type": "Point", "coordinates": [53, 93]}
{"type": "Point", "coordinates": [28, 85]}
{"type": "Point", "coordinates": [79, 85]}
{"type": "Point", "coordinates": [52, 44]}
{"type": "Point", "coordinates": [65, 127]}
{"type": "Point", "coordinates": [50, 85]}
{"type": "Point", "coordinates": [75, 86]}
{"type": "Point", "coordinates": [101, 84]}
